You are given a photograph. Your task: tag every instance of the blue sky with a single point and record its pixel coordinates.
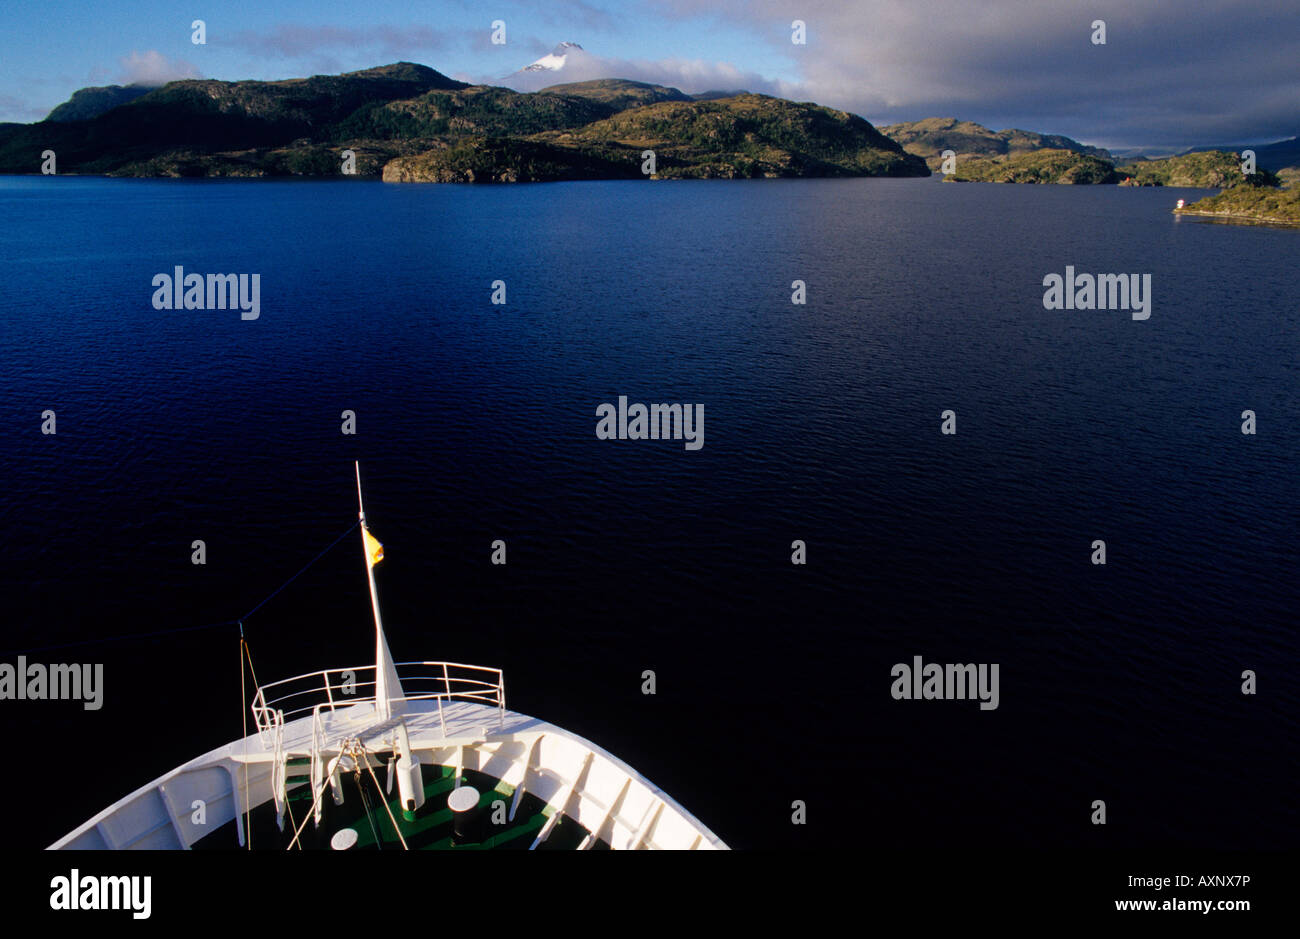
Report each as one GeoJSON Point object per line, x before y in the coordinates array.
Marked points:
{"type": "Point", "coordinates": [1171, 73]}
{"type": "Point", "coordinates": [52, 49]}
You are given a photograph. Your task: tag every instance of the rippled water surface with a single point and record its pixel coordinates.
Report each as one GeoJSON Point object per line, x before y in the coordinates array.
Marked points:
{"type": "Point", "coordinates": [476, 422]}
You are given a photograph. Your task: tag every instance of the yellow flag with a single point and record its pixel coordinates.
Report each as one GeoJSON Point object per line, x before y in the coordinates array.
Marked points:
{"type": "Point", "coordinates": [374, 550]}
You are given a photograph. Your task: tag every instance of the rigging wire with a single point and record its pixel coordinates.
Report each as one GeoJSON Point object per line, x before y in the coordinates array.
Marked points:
{"type": "Point", "coordinates": [187, 629]}
{"type": "Point", "coordinates": [243, 709]}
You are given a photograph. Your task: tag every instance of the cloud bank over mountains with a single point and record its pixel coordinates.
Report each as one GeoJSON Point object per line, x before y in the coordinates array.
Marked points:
{"type": "Point", "coordinates": [570, 62]}
{"type": "Point", "coordinates": [1171, 74]}
{"type": "Point", "coordinates": [153, 68]}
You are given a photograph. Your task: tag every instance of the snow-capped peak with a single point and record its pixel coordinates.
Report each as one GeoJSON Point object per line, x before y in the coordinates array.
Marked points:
{"type": "Point", "coordinates": [554, 61]}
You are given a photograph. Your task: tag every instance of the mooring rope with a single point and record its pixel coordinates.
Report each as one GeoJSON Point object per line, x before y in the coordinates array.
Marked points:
{"type": "Point", "coordinates": [306, 818]}
{"type": "Point", "coordinates": [370, 815]}
{"type": "Point", "coordinates": [366, 754]}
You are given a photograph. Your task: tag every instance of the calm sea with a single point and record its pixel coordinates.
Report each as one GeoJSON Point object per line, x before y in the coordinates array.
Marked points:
{"type": "Point", "coordinates": [476, 422]}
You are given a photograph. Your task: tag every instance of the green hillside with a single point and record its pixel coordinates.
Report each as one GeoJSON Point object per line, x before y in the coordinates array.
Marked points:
{"type": "Point", "coordinates": [617, 94]}
{"type": "Point", "coordinates": [1040, 166]}
{"type": "Point", "coordinates": [92, 102]}
{"type": "Point", "coordinates": [1257, 204]}
{"type": "Point", "coordinates": [1213, 169]}
{"type": "Point", "coordinates": [930, 137]}
{"type": "Point", "coordinates": [411, 123]}
{"type": "Point", "coordinates": [205, 124]}
{"type": "Point", "coordinates": [745, 135]}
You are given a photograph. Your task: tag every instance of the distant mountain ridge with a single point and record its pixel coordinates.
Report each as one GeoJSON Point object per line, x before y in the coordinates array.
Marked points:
{"type": "Point", "coordinates": [92, 102]}
{"type": "Point", "coordinates": [410, 122]}
{"type": "Point", "coordinates": [619, 93]}
{"type": "Point", "coordinates": [930, 137]}
{"type": "Point", "coordinates": [1269, 156]}
{"type": "Point", "coordinates": [1200, 169]}
{"type": "Point", "coordinates": [1065, 167]}
{"type": "Point", "coordinates": [1203, 170]}
{"type": "Point", "coordinates": [745, 136]}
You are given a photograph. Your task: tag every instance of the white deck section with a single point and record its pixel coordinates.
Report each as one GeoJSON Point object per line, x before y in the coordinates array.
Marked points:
{"type": "Point", "coordinates": [459, 726]}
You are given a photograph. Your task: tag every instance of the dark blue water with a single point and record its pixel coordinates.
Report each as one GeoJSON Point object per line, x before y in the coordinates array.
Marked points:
{"type": "Point", "coordinates": [476, 422]}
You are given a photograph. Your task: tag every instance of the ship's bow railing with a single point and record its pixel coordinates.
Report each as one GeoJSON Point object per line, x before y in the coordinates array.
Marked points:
{"type": "Point", "coordinates": [335, 688]}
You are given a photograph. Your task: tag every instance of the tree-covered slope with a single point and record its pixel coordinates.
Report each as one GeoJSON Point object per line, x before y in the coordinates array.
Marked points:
{"type": "Point", "coordinates": [929, 138]}
{"type": "Point", "coordinates": [412, 123]}
{"type": "Point", "coordinates": [744, 136]}
{"type": "Point", "coordinates": [87, 103]}
{"type": "Point", "coordinates": [1258, 204]}
{"type": "Point", "coordinates": [205, 117]}
{"type": "Point", "coordinates": [1213, 169]}
{"type": "Point", "coordinates": [618, 94]}
{"type": "Point", "coordinates": [1039, 166]}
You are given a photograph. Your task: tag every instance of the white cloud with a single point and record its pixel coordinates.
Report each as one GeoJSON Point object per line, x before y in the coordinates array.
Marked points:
{"type": "Point", "coordinates": [1170, 72]}
{"type": "Point", "coordinates": [688, 75]}
{"type": "Point", "coordinates": [153, 68]}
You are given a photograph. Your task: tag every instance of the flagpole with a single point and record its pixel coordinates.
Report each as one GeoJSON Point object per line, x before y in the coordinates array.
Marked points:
{"type": "Point", "coordinates": [386, 682]}
{"type": "Point", "coordinates": [361, 509]}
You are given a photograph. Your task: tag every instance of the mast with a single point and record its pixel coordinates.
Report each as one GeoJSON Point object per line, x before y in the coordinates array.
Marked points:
{"type": "Point", "coordinates": [387, 685]}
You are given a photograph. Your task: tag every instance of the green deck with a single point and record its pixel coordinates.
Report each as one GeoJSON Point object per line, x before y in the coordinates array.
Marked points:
{"type": "Point", "coordinates": [430, 831]}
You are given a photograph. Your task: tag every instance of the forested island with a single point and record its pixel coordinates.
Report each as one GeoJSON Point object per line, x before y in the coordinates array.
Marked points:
{"type": "Point", "coordinates": [410, 123]}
